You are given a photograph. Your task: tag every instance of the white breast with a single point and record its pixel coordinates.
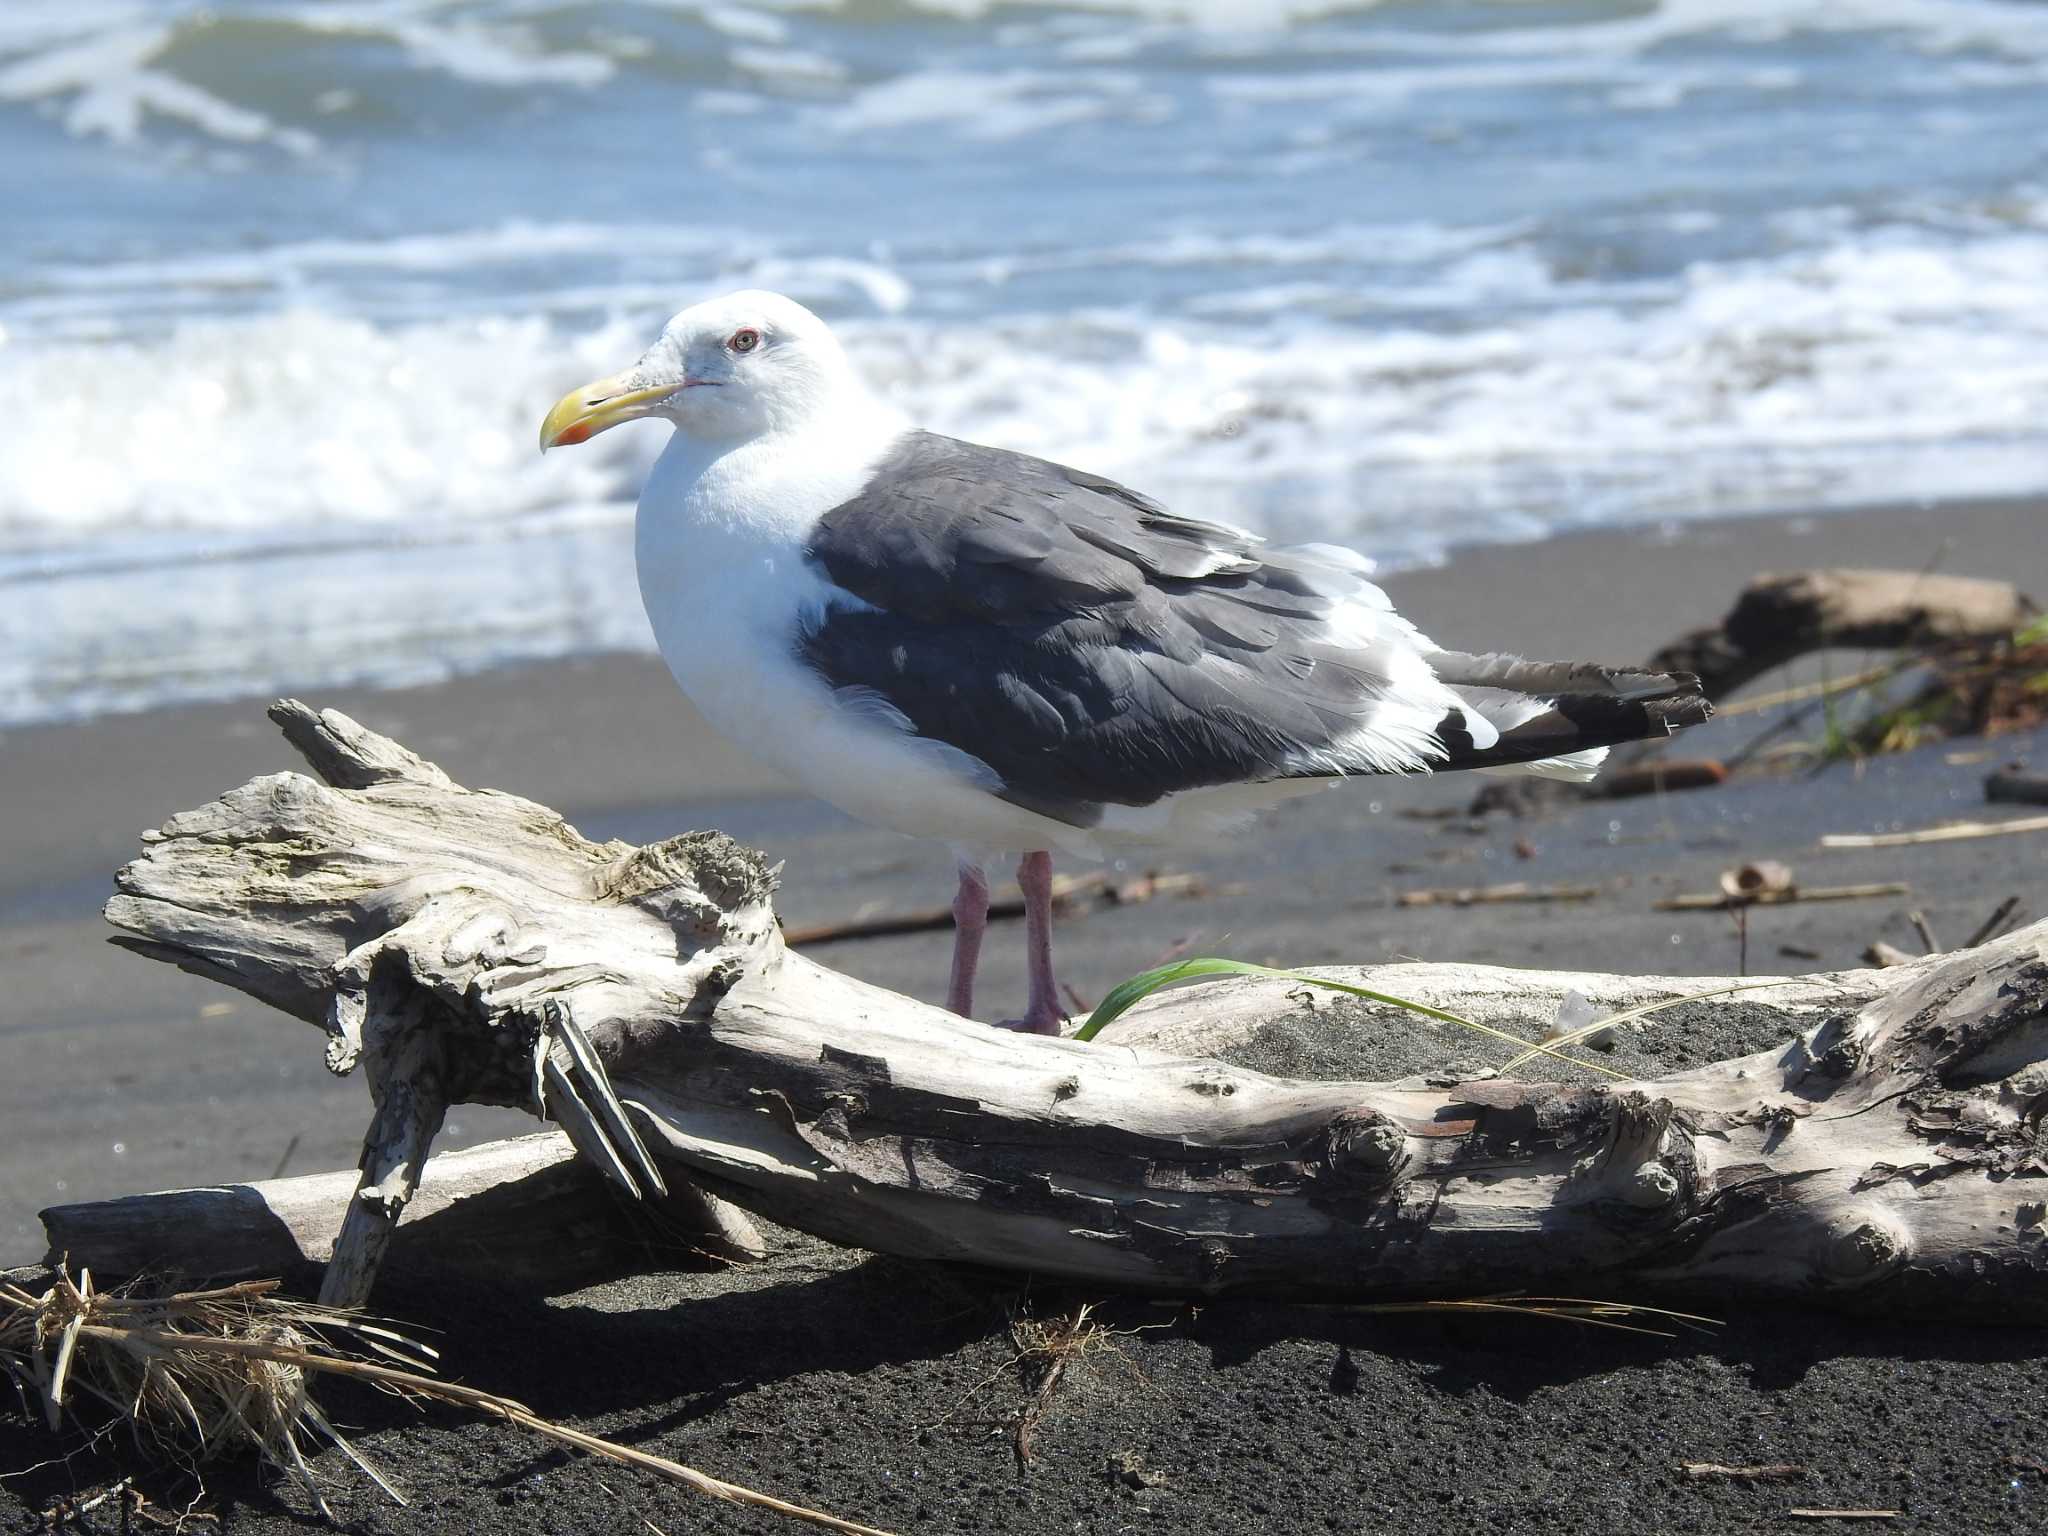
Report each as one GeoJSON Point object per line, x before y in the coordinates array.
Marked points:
{"type": "Point", "coordinates": [719, 544]}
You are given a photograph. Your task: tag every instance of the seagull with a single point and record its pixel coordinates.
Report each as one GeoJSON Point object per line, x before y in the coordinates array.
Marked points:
{"type": "Point", "coordinates": [964, 643]}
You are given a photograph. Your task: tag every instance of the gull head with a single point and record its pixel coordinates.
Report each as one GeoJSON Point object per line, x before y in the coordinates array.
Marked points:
{"type": "Point", "coordinates": [729, 369]}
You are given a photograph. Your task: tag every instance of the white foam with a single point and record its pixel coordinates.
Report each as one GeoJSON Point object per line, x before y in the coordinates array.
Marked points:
{"type": "Point", "coordinates": [1875, 343]}
{"type": "Point", "coordinates": [104, 61]}
{"type": "Point", "coordinates": [113, 86]}
{"type": "Point", "coordinates": [794, 65]}
{"type": "Point", "coordinates": [298, 422]}
{"type": "Point", "coordinates": [995, 104]}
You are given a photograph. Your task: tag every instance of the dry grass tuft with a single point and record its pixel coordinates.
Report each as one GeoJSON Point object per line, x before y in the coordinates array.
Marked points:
{"type": "Point", "coordinates": [157, 1363]}
{"type": "Point", "coordinates": [199, 1374]}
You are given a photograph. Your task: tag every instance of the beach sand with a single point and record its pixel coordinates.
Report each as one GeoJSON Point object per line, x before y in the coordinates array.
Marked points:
{"type": "Point", "coordinates": [830, 1378]}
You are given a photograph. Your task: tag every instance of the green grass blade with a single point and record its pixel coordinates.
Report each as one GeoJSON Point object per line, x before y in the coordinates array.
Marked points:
{"type": "Point", "coordinates": [1127, 994]}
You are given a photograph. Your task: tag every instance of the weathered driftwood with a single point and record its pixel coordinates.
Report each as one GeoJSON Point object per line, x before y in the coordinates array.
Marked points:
{"type": "Point", "coordinates": [527, 1211]}
{"type": "Point", "coordinates": [1778, 618]}
{"type": "Point", "coordinates": [1890, 1156]}
{"type": "Point", "coordinates": [1781, 617]}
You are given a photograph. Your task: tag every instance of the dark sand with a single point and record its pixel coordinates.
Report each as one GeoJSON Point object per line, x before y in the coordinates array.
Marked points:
{"type": "Point", "coordinates": [830, 1378]}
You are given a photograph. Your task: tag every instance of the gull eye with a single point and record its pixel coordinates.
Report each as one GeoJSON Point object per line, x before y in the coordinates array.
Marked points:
{"type": "Point", "coordinates": [745, 339]}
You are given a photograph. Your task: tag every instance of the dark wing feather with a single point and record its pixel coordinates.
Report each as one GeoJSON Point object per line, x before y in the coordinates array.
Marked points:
{"type": "Point", "coordinates": [1089, 646]}
{"type": "Point", "coordinates": [1093, 649]}
{"type": "Point", "coordinates": [1582, 705]}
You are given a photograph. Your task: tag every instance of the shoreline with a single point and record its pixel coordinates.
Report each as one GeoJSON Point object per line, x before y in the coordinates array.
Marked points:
{"type": "Point", "coordinates": [525, 725]}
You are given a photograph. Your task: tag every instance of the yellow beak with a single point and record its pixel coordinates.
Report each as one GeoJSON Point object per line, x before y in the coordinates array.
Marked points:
{"type": "Point", "coordinates": [583, 413]}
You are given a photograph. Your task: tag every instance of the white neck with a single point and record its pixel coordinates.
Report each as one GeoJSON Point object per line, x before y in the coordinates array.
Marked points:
{"type": "Point", "coordinates": [773, 486]}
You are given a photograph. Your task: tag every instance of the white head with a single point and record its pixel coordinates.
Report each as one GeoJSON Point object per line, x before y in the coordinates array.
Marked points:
{"type": "Point", "coordinates": [727, 370]}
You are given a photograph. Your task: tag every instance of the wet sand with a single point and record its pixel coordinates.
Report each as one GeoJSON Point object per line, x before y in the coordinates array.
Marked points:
{"type": "Point", "coordinates": [823, 1376]}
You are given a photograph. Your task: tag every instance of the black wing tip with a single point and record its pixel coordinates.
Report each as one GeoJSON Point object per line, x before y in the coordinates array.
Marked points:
{"type": "Point", "coordinates": [1683, 705]}
{"type": "Point", "coordinates": [1605, 716]}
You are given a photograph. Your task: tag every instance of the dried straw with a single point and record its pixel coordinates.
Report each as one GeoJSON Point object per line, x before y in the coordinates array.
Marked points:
{"type": "Point", "coordinates": [200, 1373]}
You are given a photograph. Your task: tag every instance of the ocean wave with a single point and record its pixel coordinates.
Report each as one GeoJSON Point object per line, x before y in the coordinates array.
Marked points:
{"type": "Point", "coordinates": [123, 69]}
{"type": "Point", "coordinates": [1887, 339]}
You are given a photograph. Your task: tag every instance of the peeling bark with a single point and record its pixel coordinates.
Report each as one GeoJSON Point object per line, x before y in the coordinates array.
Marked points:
{"type": "Point", "coordinates": [1889, 1156]}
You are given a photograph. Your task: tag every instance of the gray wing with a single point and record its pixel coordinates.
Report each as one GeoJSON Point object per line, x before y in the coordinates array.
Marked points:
{"type": "Point", "coordinates": [1089, 646]}
{"type": "Point", "coordinates": [1093, 650]}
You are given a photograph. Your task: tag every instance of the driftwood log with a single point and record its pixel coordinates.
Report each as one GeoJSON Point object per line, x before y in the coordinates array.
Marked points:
{"type": "Point", "coordinates": [1778, 618]}
{"type": "Point", "coordinates": [1781, 617]}
{"type": "Point", "coordinates": [527, 1211]}
{"type": "Point", "coordinates": [467, 945]}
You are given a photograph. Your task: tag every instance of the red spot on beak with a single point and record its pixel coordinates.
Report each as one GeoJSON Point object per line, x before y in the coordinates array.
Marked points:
{"type": "Point", "coordinates": [580, 433]}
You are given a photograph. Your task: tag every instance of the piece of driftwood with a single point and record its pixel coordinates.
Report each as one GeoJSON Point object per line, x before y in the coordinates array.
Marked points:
{"type": "Point", "coordinates": [2002, 917]}
{"type": "Point", "coordinates": [1782, 616]}
{"type": "Point", "coordinates": [1773, 1472]}
{"type": "Point", "coordinates": [1722, 901]}
{"type": "Point", "coordinates": [1495, 895]}
{"type": "Point", "coordinates": [2017, 788]}
{"type": "Point", "coordinates": [1890, 1156]}
{"type": "Point", "coordinates": [1660, 776]}
{"type": "Point", "coordinates": [1952, 832]}
{"type": "Point", "coordinates": [527, 1211]}
{"type": "Point", "coordinates": [1778, 618]}
{"type": "Point", "coordinates": [1929, 944]}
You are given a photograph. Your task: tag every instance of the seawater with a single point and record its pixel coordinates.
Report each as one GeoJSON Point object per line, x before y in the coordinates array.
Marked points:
{"type": "Point", "coordinates": [285, 285]}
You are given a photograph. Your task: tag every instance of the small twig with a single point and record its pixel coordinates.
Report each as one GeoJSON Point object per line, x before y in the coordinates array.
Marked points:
{"type": "Point", "coordinates": [63, 1512]}
{"type": "Point", "coordinates": [1774, 1472]}
{"type": "Point", "coordinates": [1820, 690]}
{"type": "Point", "coordinates": [1569, 1309]}
{"type": "Point", "coordinates": [1955, 832]}
{"type": "Point", "coordinates": [1488, 895]}
{"type": "Point", "coordinates": [1044, 1351]}
{"type": "Point", "coordinates": [1993, 925]}
{"type": "Point", "coordinates": [1918, 919]}
{"type": "Point", "coordinates": [1720, 901]}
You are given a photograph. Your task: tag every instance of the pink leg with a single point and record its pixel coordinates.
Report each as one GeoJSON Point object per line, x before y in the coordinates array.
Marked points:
{"type": "Point", "coordinates": [970, 922]}
{"type": "Point", "coordinates": [1042, 1014]}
